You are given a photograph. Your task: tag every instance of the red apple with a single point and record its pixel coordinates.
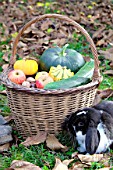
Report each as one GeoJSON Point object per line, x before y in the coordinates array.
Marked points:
{"type": "Point", "coordinates": [17, 76]}
{"type": "Point", "coordinates": [39, 84]}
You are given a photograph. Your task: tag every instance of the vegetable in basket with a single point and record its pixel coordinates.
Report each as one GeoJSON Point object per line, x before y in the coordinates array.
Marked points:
{"type": "Point", "coordinates": [60, 72]}
{"type": "Point", "coordinates": [61, 56]}
{"type": "Point", "coordinates": [28, 66]}
{"type": "Point", "coordinates": [83, 76]}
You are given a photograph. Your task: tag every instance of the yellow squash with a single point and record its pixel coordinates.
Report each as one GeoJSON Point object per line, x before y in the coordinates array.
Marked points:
{"type": "Point", "coordinates": [28, 66]}
{"type": "Point", "coordinates": [60, 72]}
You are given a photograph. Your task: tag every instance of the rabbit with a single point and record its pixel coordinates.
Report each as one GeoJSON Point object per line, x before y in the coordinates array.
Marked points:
{"type": "Point", "coordinates": [92, 127]}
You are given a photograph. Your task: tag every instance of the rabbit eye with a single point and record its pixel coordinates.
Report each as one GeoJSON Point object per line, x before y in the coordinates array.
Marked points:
{"type": "Point", "coordinates": [80, 124]}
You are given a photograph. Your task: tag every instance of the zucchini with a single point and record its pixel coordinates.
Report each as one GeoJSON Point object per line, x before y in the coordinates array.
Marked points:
{"type": "Point", "coordinates": [83, 76]}
{"type": "Point", "coordinates": [67, 83]}
{"type": "Point", "coordinates": [86, 70]}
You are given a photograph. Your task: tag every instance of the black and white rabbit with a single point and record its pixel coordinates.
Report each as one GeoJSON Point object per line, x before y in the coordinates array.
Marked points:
{"type": "Point", "coordinates": [92, 127]}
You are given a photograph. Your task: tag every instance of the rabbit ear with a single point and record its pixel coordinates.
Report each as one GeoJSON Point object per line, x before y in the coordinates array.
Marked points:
{"type": "Point", "coordinates": [92, 140]}
{"type": "Point", "coordinates": [107, 120]}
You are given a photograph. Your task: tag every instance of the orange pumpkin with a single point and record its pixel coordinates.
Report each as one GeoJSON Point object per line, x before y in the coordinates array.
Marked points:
{"type": "Point", "coordinates": [28, 66]}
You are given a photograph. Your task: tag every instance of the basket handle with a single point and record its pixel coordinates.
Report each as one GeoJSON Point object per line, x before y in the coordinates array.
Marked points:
{"type": "Point", "coordinates": [96, 74]}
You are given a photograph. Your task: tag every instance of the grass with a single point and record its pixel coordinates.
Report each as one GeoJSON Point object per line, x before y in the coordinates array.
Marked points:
{"type": "Point", "coordinates": [40, 155]}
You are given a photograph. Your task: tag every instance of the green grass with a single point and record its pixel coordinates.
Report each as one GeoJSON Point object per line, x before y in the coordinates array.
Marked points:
{"type": "Point", "coordinates": [39, 155]}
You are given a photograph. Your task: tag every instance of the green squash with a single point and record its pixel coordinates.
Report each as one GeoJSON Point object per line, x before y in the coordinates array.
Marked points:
{"type": "Point", "coordinates": [61, 56]}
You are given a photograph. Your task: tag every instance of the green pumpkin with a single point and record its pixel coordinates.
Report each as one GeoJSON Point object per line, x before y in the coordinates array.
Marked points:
{"type": "Point", "coordinates": [61, 56]}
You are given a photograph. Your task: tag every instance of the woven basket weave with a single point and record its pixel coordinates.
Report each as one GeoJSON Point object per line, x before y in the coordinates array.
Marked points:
{"type": "Point", "coordinates": [44, 110]}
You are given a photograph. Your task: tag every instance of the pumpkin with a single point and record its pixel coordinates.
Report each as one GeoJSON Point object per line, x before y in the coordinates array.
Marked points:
{"type": "Point", "coordinates": [61, 56]}
{"type": "Point", "coordinates": [59, 73]}
{"type": "Point", "coordinates": [28, 66]}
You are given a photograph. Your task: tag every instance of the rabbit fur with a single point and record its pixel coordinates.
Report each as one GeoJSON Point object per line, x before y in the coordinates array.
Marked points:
{"type": "Point", "coordinates": [92, 127]}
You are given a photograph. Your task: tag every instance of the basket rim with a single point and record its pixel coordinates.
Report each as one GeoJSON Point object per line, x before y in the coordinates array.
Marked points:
{"type": "Point", "coordinates": [5, 80]}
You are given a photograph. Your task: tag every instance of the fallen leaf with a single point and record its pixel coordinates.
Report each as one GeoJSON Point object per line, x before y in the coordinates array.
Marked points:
{"type": "Point", "coordinates": [107, 168]}
{"type": "Point", "coordinates": [78, 166]}
{"type": "Point", "coordinates": [4, 147]}
{"type": "Point", "coordinates": [35, 140]}
{"type": "Point", "coordinates": [5, 57]}
{"type": "Point", "coordinates": [5, 66]}
{"type": "Point", "coordinates": [106, 160]}
{"type": "Point", "coordinates": [3, 92]}
{"type": "Point", "coordinates": [74, 154]}
{"type": "Point", "coordinates": [90, 158]}
{"type": "Point", "coordinates": [23, 165]}
{"type": "Point", "coordinates": [62, 165]}
{"type": "Point", "coordinates": [108, 54]}
{"type": "Point", "coordinates": [111, 65]}
{"type": "Point", "coordinates": [108, 72]}
{"type": "Point", "coordinates": [105, 93]}
{"type": "Point", "coordinates": [9, 118]}
{"type": "Point", "coordinates": [102, 94]}
{"type": "Point", "coordinates": [53, 143]}
{"type": "Point", "coordinates": [98, 32]}
{"type": "Point", "coordinates": [45, 24]}
{"type": "Point", "coordinates": [67, 162]}
{"type": "Point", "coordinates": [100, 42]}
{"type": "Point", "coordinates": [21, 44]}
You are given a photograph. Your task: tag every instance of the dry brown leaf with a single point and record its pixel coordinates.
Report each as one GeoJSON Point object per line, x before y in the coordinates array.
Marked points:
{"type": "Point", "coordinates": [102, 94]}
{"type": "Point", "coordinates": [5, 66]}
{"type": "Point", "coordinates": [100, 42]}
{"type": "Point", "coordinates": [53, 143]}
{"type": "Point", "coordinates": [99, 32]}
{"type": "Point", "coordinates": [67, 162]}
{"type": "Point", "coordinates": [90, 158]}
{"type": "Point", "coordinates": [111, 65]}
{"type": "Point", "coordinates": [5, 57]}
{"type": "Point", "coordinates": [4, 147]}
{"type": "Point", "coordinates": [21, 45]}
{"type": "Point", "coordinates": [108, 54]}
{"type": "Point", "coordinates": [9, 118]}
{"type": "Point", "coordinates": [105, 93]}
{"type": "Point", "coordinates": [107, 168]}
{"type": "Point", "coordinates": [3, 92]}
{"type": "Point", "coordinates": [59, 42]}
{"type": "Point", "coordinates": [59, 165]}
{"type": "Point", "coordinates": [108, 72]}
{"type": "Point", "coordinates": [36, 139]}
{"type": "Point", "coordinates": [78, 166]}
{"type": "Point", "coordinates": [23, 165]}
{"type": "Point", "coordinates": [45, 24]}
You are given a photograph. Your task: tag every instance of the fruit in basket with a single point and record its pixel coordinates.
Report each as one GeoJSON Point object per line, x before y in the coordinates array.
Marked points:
{"type": "Point", "coordinates": [42, 78]}
{"type": "Point", "coordinates": [17, 76]}
{"type": "Point", "coordinates": [39, 84]}
{"type": "Point", "coordinates": [70, 58]}
{"type": "Point", "coordinates": [30, 79]}
{"type": "Point", "coordinates": [60, 72]}
{"type": "Point", "coordinates": [26, 84]}
{"type": "Point", "coordinates": [42, 74]}
{"type": "Point", "coordinates": [28, 66]}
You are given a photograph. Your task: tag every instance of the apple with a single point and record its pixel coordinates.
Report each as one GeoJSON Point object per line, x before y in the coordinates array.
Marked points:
{"type": "Point", "coordinates": [42, 75]}
{"type": "Point", "coordinates": [26, 84]}
{"type": "Point", "coordinates": [39, 84]}
{"type": "Point", "coordinates": [17, 76]}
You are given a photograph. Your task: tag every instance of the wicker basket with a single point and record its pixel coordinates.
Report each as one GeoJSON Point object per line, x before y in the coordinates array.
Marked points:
{"type": "Point", "coordinates": [44, 110]}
